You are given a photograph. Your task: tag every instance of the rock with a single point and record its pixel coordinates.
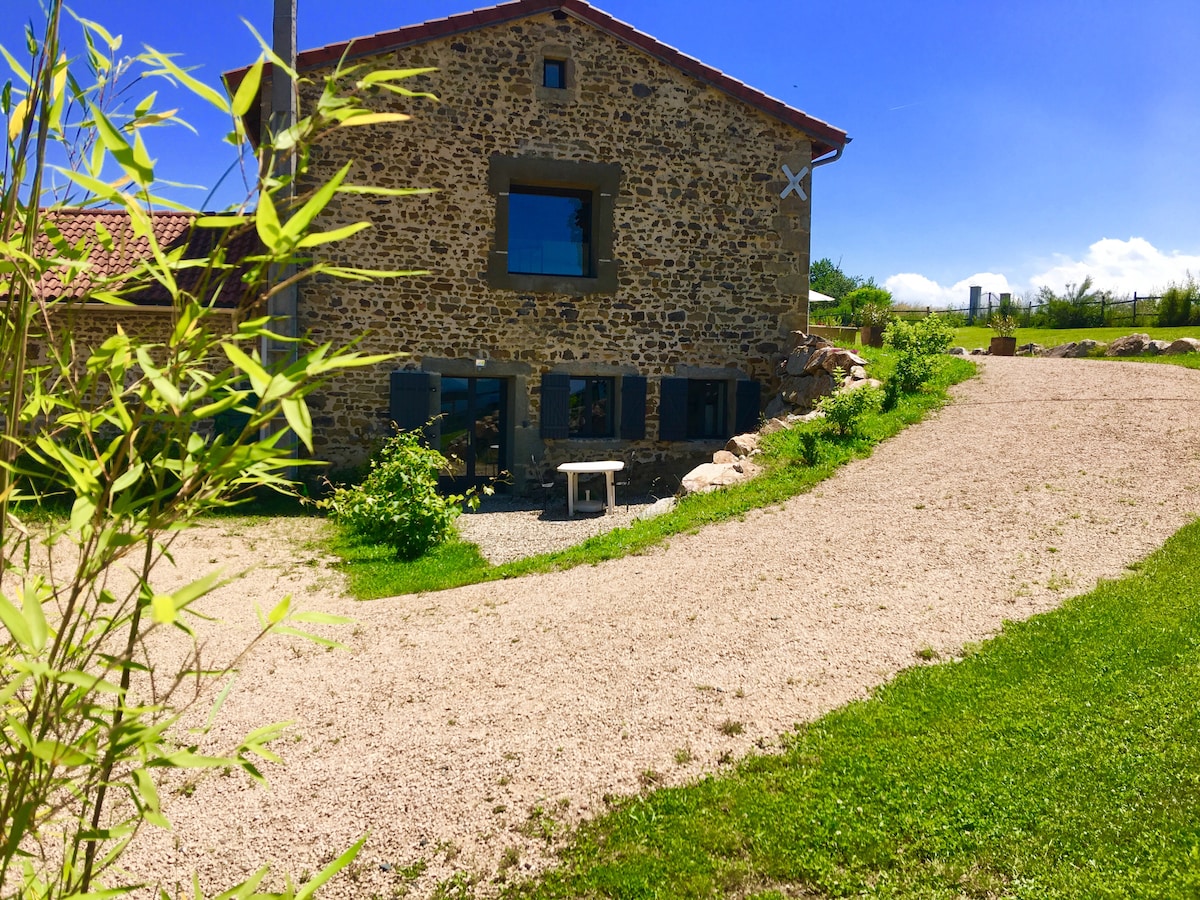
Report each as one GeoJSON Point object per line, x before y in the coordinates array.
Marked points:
{"type": "Point", "coordinates": [804, 390]}
{"type": "Point", "coordinates": [724, 457]}
{"type": "Point", "coordinates": [657, 508]}
{"type": "Point", "coordinates": [797, 360]}
{"type": "Point", "coordinates": [1062, 351]}
{"type": "Point", "coordinates": [1183, 345]}
{"type": "Point", "coordinates": [829, 359]}
{"type": "Point", "coordinates": [1088, 347]}
{"type": "Point", "coordinates": [1031, 349]}
{"type": "Point", "coordinates": [978, 351]}
{"type": "Point", "coordinates": [1157, 348]}
{"type": "Point", "coordinates": [775, 408]}
{"type": "Point", "coordinates": [708, 477]}
{"type": "Point", "coordinates": [957, 351]}
{"type": "Point", "coordinates": [865, 383]}
{"type": "Point", "coordinates": [743, 444]}
{"type": "Point", "coordinates": [800, 339]}
{"type": "Point", "coordinates": [858, 373]}
{"type": "Point", "coordinates": [1130, 345]}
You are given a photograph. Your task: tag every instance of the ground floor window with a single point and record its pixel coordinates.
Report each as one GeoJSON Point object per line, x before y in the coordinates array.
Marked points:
{"type": "Point", "coordinates": [591, 408]}
{"type": "Point", "coordinates": [707, 405]}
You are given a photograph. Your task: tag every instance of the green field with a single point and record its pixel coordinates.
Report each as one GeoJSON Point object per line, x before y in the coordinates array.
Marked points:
{"type": "Point", "coordinates": [975, 336]}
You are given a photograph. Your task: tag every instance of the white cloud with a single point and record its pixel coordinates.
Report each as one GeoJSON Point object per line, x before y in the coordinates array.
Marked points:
{"type": "Point", "coordinates": [1119, 266]}
{"type": "Point", "coordinates": [917, 290]}
{"type": "Point", "coordinates": [1122, 267]}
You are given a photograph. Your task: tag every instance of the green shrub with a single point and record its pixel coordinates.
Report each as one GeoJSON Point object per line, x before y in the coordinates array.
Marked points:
{"type": "Point", "coordinates": [1175, 307]}
{"type": "Point", "coordinates": [845, 409]}
{"type": "Point", "coordinates": [398, 503]}
{"type": "Point", "coordinates": [918, 346]}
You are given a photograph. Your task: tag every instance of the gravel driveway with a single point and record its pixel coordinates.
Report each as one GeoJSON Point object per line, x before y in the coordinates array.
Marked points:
{"type": "Point", "coordinates": [455, 717]}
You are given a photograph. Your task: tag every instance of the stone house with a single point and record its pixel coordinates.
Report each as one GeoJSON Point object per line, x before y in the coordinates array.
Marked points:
{"type": "Point", "coordinates": [617, 244]}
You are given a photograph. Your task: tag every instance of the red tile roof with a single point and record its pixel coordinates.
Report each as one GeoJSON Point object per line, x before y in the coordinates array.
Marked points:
{"type": "Point", "coordinates": [827, 138]}
{"type": "Point", "coordinates": [171, 229]}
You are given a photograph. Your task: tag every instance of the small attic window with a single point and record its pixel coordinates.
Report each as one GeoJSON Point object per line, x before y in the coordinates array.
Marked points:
{"type": "Point", "coordinates": [554, 73]}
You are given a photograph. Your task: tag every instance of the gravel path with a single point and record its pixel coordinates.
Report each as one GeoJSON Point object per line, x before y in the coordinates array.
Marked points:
{"type": "Point", "coordinates": [456, 714]}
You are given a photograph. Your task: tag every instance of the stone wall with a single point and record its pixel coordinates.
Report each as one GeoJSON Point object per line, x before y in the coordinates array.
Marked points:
{"type": "Point", "coordinates": [712, 264]}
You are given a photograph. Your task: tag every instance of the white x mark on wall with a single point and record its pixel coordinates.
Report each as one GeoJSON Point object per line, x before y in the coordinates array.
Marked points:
{"type": "Point", "coordinates": [794, 182]}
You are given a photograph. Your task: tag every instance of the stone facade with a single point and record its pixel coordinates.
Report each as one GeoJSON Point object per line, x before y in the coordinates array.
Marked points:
{"type": "Point", "coordinates": [711, 264]}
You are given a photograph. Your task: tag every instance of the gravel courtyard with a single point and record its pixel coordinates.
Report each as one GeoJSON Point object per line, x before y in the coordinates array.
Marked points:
{"type": "Point", "coordinates": [455, 717]}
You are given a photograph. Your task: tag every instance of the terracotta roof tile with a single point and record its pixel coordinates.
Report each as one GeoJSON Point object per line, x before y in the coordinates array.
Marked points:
{"type": "Point", "coordinates": [170, 228]}
{"type": "Point", "coordinates": [827, 138]}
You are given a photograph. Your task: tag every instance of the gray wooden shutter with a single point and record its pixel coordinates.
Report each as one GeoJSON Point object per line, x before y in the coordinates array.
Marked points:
{"type": "Point", "coordinates": [556, 406]}
{"type": "Point", "coordinates": [633, 407]}
{"type": "Point", "coordinates": [411, 399]}
{"type": "Point", "coordinates": [745, 413]}
{"type": "Point", "coordinates": [672, 409]}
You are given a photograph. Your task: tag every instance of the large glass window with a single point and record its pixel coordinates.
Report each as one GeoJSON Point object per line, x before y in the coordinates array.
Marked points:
{"type": "Point", "coordinates": [591, 408]}
{"type": "Point", "coordinates": [549, 231]}
{"type": "Point", "coordinates": [707, 409]}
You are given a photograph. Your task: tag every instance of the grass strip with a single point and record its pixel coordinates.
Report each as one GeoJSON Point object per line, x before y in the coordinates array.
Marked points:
{"type": "Point", "coordinates": [972, 336]}
{"type": "Point", "coordinates": [372, 571]}
{"type": "Point", "coordinates": [1060, 759]}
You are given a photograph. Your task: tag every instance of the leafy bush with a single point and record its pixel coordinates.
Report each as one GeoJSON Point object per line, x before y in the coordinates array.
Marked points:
{"type": "Point", "coordinates": [918, 346]}
{"type": "Point", "coordinates": [1004, 326]}
{"type": "Point", "coordinates": [1175, 307]}
{"type": "Point", "coordinates": [844, 409]}
{"type": "Point", "coordinates": [398, 503]}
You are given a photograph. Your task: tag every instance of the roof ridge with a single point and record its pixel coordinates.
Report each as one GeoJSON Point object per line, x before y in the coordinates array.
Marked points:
{"type": "Point", "coordinates": [828, 138]}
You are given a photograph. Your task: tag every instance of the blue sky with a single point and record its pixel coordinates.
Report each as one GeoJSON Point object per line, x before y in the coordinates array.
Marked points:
{"type": "Point", "coordinates": [1007, 144]}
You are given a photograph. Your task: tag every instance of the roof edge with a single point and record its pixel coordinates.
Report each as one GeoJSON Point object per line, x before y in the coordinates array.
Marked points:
{"type": "Point", "coordinates": [827, 137]}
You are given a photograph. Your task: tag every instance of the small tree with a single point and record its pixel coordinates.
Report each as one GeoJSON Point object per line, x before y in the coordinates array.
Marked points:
{"type": "Point", "coordinates": [123, 430]}
{"type": "Point", "coordinates": [918, 346]}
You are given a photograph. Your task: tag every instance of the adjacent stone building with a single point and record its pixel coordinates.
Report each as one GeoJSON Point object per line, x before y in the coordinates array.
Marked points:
{"type": "Point", "coordinates": [617, 244]}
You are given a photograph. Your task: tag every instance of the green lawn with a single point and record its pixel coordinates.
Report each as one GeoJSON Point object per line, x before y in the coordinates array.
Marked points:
{"type": "Point", "coordinates": [1058, 760]}
{"type": "Point", "coordinates": [373, 572]}
{"type": "Point", "coordinates": [979, 336]}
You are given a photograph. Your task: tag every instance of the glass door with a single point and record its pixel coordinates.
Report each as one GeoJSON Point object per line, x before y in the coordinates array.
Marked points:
{"type": "Point", "coordinates": [474, 424]}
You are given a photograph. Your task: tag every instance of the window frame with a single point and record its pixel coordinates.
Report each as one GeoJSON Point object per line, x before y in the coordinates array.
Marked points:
{"type": "Point", "coordinates": [601, 180]}
{"type": "Point", "coordinates": [590, 400]}
{"type": "Point", "coordinates": [720, 429]}
{"type": "Point", "coordinates": [559, 67]}
{"type": "Point", "coordinates": [582, 196]}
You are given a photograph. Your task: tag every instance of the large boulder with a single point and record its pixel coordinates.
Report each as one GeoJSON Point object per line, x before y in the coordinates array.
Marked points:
{"type": "Point", "coordinates": [805, 390]}
{"type": "Point", "coordinates": [1130, 345]}
{"type": "Point", "coordinates": [743, 444]}
{"type": "Point", "coordinates": [1157, 348]}
{"type": "Point", "coordinates": [708, 477]}
{"type": "Point", "coordinates": [1061, 351]}
{"type": "Point", "coordinates": [829, 359]}
{"type": "Point", "coordinates": [1183, 345]}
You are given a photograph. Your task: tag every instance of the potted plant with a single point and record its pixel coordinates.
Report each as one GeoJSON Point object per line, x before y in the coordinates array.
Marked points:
{"type": "Point", "coordinates": [873, 319]}
{"type": "Point", "coordinates": [1004, 342]}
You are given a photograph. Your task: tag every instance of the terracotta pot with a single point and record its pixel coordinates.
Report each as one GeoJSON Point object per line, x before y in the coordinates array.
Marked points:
{"type": "Point", "coordinates": [871, 335]}
{"type": "Point", "coordinates": [1003, 346]}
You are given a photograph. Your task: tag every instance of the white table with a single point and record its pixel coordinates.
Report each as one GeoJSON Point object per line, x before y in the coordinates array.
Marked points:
{"type": "Point", "coordinates": [573, 470]}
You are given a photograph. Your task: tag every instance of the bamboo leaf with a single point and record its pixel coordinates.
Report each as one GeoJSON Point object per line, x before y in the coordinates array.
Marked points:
{"type": "Point", "coordinates": [304, 216]}
{"type": "Point", "coordinates": [266, 221]}
{"type": "Point", "coordinates": [163, 608]}
{"type": "Point", "coordinates": [392, 75]}
{"type": "Point", "coordinates": [12, 619]}
{"type": "Point", "coordinates": [247, 91]}
{"type": "Point", "coordinates": [337, 234]}
{"type": "Point", "coordinates": [259, 379]}
{"type": "Point", "coordinates": [280, 611]}
{"type": "Point", "coordinates": [310, 888]}
{"type": "Point", "coordinates": [295, 410]}
{"type": "Point", "coordinates": [196, 86]}
{"type": "Point", "coordinates": [362, 117]}
{"type": "Point", "coordinates": [16, 121]}
{"type": "Point", "coordinates": [31, 605]}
